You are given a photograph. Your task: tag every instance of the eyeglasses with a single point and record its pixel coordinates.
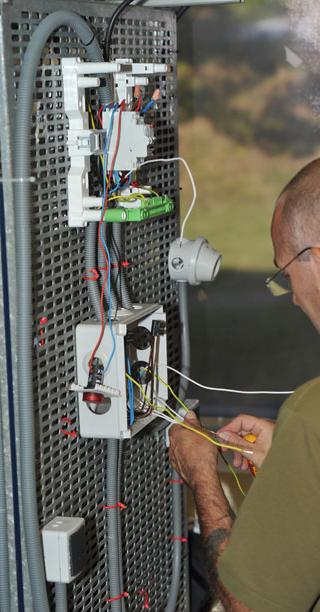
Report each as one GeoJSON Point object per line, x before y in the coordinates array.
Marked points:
{"type": "Point", "coordinates": [282, 285]}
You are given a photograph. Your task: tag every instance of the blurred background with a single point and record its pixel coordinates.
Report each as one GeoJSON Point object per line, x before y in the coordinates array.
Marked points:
{"type": "Point", "coordinates": [248, 123]}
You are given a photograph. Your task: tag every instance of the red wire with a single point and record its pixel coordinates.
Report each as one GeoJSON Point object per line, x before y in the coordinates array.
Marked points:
{"type": "Point", "coordinates": [103, 322]}
{"type": "Point", "coordinates": [139, 104]}
{"type": "Point", "coordinates": [99, 115]}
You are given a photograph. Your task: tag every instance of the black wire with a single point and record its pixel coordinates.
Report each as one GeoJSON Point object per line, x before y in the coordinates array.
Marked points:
{"type": "Point", "coordinates": [112, 21]}
{"type": "Point", "coordinates": [181, 12]}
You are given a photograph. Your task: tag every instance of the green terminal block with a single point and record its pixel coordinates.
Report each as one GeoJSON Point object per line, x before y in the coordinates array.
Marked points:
{"type": "Point", "coordinates": [148, 209]}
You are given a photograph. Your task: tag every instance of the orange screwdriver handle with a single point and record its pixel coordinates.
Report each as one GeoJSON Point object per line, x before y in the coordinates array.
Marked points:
{"type": "Point", "coordinates": [251, 438]}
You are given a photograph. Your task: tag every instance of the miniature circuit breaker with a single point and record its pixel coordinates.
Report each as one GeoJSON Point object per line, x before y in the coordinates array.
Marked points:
{"type": "Point", "coordinates": [136, 135]}
{"type": "Point", "coordinates": [109, 406]}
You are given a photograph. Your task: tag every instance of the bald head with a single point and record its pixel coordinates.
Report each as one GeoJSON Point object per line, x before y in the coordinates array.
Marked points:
{"type": "Point", "coordinates": [296, 220]}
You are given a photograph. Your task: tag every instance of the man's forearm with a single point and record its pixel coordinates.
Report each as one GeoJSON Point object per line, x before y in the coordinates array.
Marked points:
{"type": "Point", "coordinates": [216, 519]}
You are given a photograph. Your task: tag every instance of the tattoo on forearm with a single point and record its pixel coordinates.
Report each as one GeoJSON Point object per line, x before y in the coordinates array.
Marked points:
{"type": "Point", "coordinates": [213, 546]}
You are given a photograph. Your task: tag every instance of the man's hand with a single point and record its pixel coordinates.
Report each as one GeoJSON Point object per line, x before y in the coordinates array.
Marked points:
{"type": "Point", "coordinates": [191, 455]}
{"type": "Point", "coordinates": [235, 432]}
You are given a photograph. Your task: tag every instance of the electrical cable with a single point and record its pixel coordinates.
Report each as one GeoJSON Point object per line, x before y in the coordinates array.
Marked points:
{"type": "Point", "coordinates": [194, 189]}
{"type": "Point", "coordinates": [181, 12]}
{"type": "Point", "coordinates": [232, 471]}
{"type": "Point", "coordinates": [130, 394]}
{"type": "Point", "coordinates": [222, 390]}
{"type": "Point", "coordinates": [103, 245]}
{"type": "Point", "coordinates": [112, 21]}
{"type": "Point", "coordinates": [176, 397]}
{"type": "Point", "coordinates": [177, 417]}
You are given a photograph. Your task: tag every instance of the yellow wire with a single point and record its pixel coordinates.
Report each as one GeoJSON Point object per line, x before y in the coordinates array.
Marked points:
{"type": "Point", "coordinates": [167, 409]}
{"type": "Point", "coordinates": [231, 470]}
{"type": "Point", "coordinates": [145, 397]}
{"type": "Point", "coordinates": [173, 393]}
{"type": "Point", "coordinates": [93, 125]}
{"type": "Point", "coordinates": [151, 191]}
{"type": "Point", "coordinates": [171, 413]}
{"type": "Point", "coordinates": [131, 196]}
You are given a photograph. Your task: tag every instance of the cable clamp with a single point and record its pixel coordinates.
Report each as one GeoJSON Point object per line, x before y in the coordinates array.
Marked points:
{"type": "Point", "coordinates": [180, 482]}
{"type": "Point", "coordinates": [122, 596]}
{"type": "Point", "coordinates": [119, 505]}
{"type": "Point", "coordinates": [179, 539]}
{"type": "Point", "coordinates": [145, 594]}
{"type": "Point", "coordinates": [72, 434]}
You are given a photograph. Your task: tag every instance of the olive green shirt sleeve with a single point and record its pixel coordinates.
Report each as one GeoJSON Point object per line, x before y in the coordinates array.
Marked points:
{"type": "Point", "coordinates": [272, 562]}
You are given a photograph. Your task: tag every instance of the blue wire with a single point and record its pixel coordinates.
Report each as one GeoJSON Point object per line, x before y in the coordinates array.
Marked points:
{"type": "Point", "coordinates": [131, 394]}
{"type": "Point", "coordinates": [147, 107]}
{"type": "Point", "coordinates": [105, 246]}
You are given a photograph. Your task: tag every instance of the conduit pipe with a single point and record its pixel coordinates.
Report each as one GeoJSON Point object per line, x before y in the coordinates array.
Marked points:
{"type": "Point", "coordinates": [61, 597]}
{"type": "Point", "coordinates": [118, 273]}
{"type": "Point", "coordinates": [23, 240]}
{"type": "Point", "coordinates": [4, 561]}
{"type": "Point", "coordinates": [177, 491]}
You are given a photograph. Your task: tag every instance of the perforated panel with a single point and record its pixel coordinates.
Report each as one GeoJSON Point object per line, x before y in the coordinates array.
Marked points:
{"type": "Point", "coordinates": [71, 471]}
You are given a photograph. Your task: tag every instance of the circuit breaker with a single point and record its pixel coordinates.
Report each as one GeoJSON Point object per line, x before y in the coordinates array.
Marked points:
{"type": "Point", "coordinates": [123, 135]}
{"type": "Point", "coordinates": [118, 403]}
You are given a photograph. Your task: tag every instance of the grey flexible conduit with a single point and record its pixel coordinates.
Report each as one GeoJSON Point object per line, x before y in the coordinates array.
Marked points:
{"type": "Point", "coordinates": [4, 561]}
{"type": "Point", "coordinates": [102, 264]}
{"type": "Point", "coordinates": [113, 517]}
{"type": "Point", "coordinates": [177, 488]}
{"type": "Point", "coordinates": [91, 264]}
{"type": "Point", "coordinates": [22, 206]}
{"type": "Point", "coordinates": [112, 462]}
{"type": "Point", "coordinates": [119, 274]}
{"type": "Point", "coordinates": [61, 597]}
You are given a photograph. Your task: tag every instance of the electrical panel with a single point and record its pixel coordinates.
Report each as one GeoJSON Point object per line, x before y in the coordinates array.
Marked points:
{"type": "Point", "coordinates": [124, 135]}
{"type": "Point", "coordinates": [70, 432]}
{"type": "Point", "coordinates": [110, 404]}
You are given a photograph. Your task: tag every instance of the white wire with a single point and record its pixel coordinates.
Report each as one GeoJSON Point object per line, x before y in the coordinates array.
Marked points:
{"type": "Point", "coordinates": [194, 189]}
{"type": "Point", "coordinates": [176, 414]}
{"type": "Point", "coordinates": [164, 417]}
{"type": "Point", "coordinates": [226, 390]}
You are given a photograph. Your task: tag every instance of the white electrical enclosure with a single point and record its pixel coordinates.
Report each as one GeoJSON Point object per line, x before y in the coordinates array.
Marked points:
{"type": "Point", "coordinates": [64, 548]}
{"type": "Point", "coordinates": [133, 145]}
{"type": "Point", "coordinates": [135, 137]}
{"type": "Point", "coordinates": [115, 421]}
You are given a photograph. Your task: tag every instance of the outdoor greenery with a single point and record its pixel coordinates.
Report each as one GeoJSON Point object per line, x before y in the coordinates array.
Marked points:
{"type": "Point", "coordinates": [247, 125]}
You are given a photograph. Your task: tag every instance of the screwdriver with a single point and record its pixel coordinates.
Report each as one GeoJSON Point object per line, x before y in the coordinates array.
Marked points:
{"type": "Point", "coordinates": [251, 438]}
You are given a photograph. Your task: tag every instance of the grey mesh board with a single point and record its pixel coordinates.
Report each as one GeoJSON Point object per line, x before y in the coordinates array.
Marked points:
{"type": "Point", "coordinates": [71, 471]}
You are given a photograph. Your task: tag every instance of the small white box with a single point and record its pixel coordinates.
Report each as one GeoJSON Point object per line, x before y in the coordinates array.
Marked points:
{"type": "Point", "coordinates": [64, 547]}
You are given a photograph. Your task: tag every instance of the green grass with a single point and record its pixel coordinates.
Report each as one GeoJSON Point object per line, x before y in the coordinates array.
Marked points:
{"type": "Point", "coordinates": [237, 187]}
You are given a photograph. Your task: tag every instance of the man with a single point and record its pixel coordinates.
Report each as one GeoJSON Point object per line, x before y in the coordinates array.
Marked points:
{"type": "Point", "coordinates": [268, 558]}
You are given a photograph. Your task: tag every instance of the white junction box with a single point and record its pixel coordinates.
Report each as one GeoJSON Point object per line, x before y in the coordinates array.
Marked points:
{"type": "Point", "coordinates": [64, 548]}
{"type": "Point", "coordinates": [135, 337]}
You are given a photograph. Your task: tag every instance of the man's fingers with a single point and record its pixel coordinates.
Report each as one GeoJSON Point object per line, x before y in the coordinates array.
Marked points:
{"type": "Point", "coordinates": [192, 418]}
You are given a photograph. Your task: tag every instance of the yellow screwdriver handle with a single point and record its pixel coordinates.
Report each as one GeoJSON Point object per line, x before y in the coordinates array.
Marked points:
{"type": "Point", "coordinates": [251, 438]}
